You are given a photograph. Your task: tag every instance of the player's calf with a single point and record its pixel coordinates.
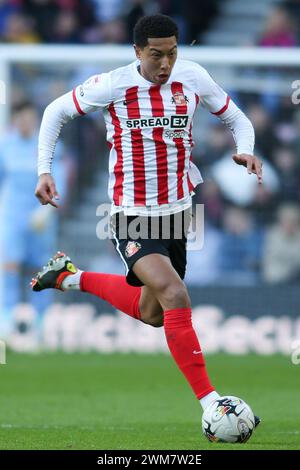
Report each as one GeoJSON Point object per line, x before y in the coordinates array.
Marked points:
{"type": "Point", "coordinates": [150, 308]}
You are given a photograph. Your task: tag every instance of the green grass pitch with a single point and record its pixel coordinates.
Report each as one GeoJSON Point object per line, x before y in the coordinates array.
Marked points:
{"type": "Point", "coordinates": [131, 401]}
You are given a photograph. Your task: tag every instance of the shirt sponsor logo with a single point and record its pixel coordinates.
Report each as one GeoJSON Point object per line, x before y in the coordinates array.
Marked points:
{"type": "Point", "coordinates": [174, 122]}
{"type": "Point", "coordinates": [175, 134]}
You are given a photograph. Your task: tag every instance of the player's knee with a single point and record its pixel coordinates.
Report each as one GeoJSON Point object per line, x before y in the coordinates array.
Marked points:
{"type": "Point", "coordinates": [174, 295]}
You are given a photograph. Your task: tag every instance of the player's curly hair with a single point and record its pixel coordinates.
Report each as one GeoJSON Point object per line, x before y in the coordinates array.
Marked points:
{"type": "Point", "coordinates": [153, 26]}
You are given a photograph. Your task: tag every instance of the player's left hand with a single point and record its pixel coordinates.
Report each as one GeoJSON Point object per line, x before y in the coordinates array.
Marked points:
{"type": "Point", "coordinates": [252, 163]}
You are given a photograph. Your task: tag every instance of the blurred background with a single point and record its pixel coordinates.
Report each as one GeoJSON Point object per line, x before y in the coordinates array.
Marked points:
{"type": "Point", "coordinates": [244, 283]}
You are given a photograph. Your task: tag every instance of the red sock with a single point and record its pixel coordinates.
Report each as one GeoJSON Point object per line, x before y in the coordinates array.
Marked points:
{"type": "Point", "coordinates": [184, 346]}
{"type": "Point", "coordinates": [115, 290]}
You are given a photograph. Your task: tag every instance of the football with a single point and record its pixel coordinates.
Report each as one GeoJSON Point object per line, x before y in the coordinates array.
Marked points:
{"type": "Point", "coordinates": [228, 419]}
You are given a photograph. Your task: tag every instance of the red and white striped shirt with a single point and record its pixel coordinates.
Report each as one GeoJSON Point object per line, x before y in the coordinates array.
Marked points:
{"type": "Point", "coordinates": [149, 131]}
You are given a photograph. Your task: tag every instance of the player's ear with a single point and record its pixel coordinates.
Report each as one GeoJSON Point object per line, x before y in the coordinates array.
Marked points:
{"type": "Point", "coordinates": [137, 50]}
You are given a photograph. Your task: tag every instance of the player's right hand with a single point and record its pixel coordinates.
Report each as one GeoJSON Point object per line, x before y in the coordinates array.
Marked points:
{"type": "Point", "coordinates": [46, 190]}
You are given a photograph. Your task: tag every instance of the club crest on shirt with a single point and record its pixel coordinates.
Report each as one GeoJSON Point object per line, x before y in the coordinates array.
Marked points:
{"type": "Point", "coordinates": [179, 99]}
{"type": "Point", "coordinates": [132, 248]}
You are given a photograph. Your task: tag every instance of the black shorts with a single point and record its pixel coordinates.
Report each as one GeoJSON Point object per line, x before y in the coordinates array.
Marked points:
{"type": "Point", "coordinates": [138, 236]}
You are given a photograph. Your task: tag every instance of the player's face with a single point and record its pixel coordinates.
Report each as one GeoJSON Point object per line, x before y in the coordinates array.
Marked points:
{"type": "Point", "coordinates": [26, 121]}
{"type": "Point", "coordinates": [157, 59]}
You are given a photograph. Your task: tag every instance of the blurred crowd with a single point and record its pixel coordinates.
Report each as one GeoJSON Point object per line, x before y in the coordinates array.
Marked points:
{"type": "Point", "coordinates": [112, 21]}
{"type": "Point", "coordinates": [252, 233]}
{"type": "Point", "coordinates": [28, 230]}
{"type": "Point", "coordinates": [96, 21]}
{"type": "Point", "coordinates": [282, 26]}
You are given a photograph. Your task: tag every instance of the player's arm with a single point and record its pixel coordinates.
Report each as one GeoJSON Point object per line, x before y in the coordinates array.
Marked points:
{"type": "Point", "coordinates": [214, 98]}
{"type": "Point", "coordinates": [95, 93]}
{"type": "Point", "coordinates": [243, 134]}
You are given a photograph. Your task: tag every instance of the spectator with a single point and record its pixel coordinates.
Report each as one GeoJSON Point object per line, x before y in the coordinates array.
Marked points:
{"type": "Point", "coordinates": [293, 8]}
{"type": "Point", "coordinates": [66, 29]}
{"type": "Point", "coordinates": [19, 28]}
{"type": "Point", "coordinates": [296, 140]}
{"type": "Point", "coordinates": [204, 264]}
{"type": "Point", "coordinates": [240, 250]}
{"type": "Point", "coordinates": [210, 196]}
{"type": "Point", "coordinates": [113, 32]}
{"type": "Point", "coordinates": [238, 188]}
{"type": "Point", "coordinates": [198, 15]}
{"type": "Point", "coordinates": [137, 9]}
{"type": "Point", "coordinates": [44, 13]}
{"type": "Point", "coordinates": [286, 162]}
{"type": "Point", "coordinates": [279, 30]}
{"type": "Point", "coordinates": [107, 10]}
{"type": "Point", "coordinates": [6, 9]}
{"type": "Point", "coordinates": [265, 139]}
{"type": "Point", "coordinates": [62, 21]}
{"type": "Point", "coordinates": [28, 233]}
{"type": "Point", "coordinates": [281, 260]}
{"type": "Point", "coordinates": [217, 142]}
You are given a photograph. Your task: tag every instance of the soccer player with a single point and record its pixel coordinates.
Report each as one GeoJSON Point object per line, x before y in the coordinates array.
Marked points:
{"type": "Point", "coordinates": [148, 108]}
{"type": "Point", "coordinates": [30, 231]}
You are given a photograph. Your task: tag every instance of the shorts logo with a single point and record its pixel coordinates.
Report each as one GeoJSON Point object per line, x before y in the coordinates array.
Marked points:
{"type": "Point", "coordinates": [132, 248]}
